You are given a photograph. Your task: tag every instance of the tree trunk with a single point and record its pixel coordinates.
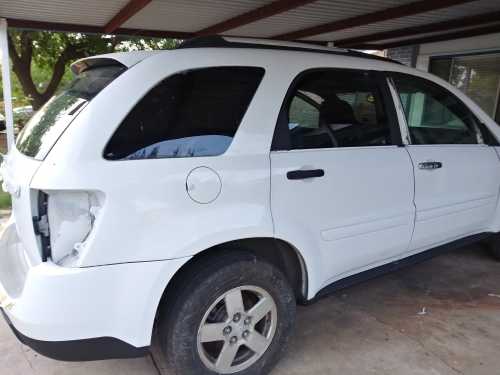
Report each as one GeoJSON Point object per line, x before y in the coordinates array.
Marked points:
{"type": "Point", "coordinates": [21, 65]}
{"type": "Point", "coordinates": [23, 73]}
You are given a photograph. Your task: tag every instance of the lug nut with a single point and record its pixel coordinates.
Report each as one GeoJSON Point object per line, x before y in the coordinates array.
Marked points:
{"type": "Point", "coordinates": [248, 320]}
{"type": "Point", "coordinates": [246, 334]}
{"type": "Point", "coordinates": [227, 330]}
{"type": "Point", "coordinates": [236, 317]}
{"type": "Point", "coordinates": [233, 340]}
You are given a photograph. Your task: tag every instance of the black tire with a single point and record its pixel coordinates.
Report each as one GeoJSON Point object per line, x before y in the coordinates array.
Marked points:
{"type": "Point", "coordinates": [492, 244]}
{"type": "Point", "coordinates": [200, 287]}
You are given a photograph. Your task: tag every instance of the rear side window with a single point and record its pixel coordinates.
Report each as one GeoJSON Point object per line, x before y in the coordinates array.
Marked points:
{"type": "Point", "coordinates": [189, 114]}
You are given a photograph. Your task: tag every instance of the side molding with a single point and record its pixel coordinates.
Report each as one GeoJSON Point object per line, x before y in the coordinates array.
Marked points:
{"type": "Point", "coordinates": [396, 265]}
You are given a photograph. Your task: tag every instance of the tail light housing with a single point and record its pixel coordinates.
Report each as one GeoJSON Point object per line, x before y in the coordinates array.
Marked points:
{"type": "Point", "coordinates": [66, 219]}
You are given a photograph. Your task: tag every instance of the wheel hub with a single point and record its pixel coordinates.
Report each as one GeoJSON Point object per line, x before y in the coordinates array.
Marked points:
{"type": "Point", "coordinates": [236, 341]}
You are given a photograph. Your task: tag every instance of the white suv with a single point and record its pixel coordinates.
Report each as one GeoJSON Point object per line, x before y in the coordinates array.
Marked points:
{"type": "Point", "coordinates": [199, 193]}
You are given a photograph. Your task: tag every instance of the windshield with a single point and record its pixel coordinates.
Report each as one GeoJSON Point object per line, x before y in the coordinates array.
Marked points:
{"type": "Point", "coordinates": [46, 126]}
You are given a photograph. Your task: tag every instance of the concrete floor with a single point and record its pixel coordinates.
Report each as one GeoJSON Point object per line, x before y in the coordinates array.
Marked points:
{"type": "Point", "coordinates": [438, 317]}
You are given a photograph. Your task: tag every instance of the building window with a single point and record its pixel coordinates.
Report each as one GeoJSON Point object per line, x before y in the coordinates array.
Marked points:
{"type": "Point", "coordinates": [478, 76]}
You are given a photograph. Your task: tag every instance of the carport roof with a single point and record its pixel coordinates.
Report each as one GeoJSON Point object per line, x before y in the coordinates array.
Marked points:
{"type": "Point", "coordinates": [376, 24]}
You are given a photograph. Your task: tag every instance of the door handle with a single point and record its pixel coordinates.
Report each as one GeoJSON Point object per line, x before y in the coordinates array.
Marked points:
{"type": "Point", "coordinates": [430, 165]}
{"type": "Point", "coordinates": [302, 174]}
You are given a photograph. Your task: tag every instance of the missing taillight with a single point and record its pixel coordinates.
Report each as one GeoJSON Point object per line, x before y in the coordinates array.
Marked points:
{"type": "Point", "coordinates": [41, 225]}
{"type": "Point", "coordinates": [71, 216]}
{"type": "Point", "coordinates": [64, 222]}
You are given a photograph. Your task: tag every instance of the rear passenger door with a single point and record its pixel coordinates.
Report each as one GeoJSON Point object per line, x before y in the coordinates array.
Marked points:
{"type": "Point", "coordinates": [457, 174]}
{"type": "Point", "coordinates": [341, 187]}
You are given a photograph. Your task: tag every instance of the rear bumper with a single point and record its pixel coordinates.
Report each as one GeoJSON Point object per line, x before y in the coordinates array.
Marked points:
{"type": "Point", "coordinates": [81, 313]}
{"type": "Point", "coordinates": [80, 350]}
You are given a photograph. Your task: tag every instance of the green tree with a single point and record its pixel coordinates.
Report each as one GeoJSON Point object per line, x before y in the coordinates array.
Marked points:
{"type": "Point", "coordinates": [40, 58]}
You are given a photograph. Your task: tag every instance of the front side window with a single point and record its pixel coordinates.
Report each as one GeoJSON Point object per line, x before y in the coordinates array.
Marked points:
{"type": "Point", "coordinates": [433, 114]}
{"type": "Point", "coordinates": [334, 108]}
{"type": "Point", "coordinates": [189, 114]}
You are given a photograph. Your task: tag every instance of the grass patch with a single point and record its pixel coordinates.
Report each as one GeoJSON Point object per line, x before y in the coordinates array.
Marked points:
{"type": "Point", "coordinates": [5, 203]}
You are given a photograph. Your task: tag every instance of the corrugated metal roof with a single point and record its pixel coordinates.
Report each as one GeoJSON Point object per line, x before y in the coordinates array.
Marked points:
{"type": "Point", "coordinates": [424, 35]}
{"type": "Point", "coordinates": [88, 12]}
{"type": "Point", "coordinates": [316, 13]}
{"type": "Point", "coordinates": [194, 15]}
{"type": "Point", "coordinates": [190, 15]}
{"type": "Point", "coordinates": [459, 11]}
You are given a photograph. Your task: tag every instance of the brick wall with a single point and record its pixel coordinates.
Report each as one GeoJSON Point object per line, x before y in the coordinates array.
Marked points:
{"type": "Point", "coordinates": [406, 55]}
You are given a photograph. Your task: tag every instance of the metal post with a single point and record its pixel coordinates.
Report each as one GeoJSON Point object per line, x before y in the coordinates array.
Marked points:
{"type": "Point", "coordinates": [7, 91]}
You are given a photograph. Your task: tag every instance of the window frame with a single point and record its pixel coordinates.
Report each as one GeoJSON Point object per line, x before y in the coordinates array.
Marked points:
{"type": "Point", "coordinates": [281, 138]}
{"type": "Point", "coordinates": [183, 71]}
{"type": "Point", "coordinates": [482, 131]}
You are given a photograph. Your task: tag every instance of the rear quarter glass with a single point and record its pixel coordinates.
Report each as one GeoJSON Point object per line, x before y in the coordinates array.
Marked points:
{"type": "Point", "coordinates": [46, 126]}
{"type": "Point", "coordinates": [191, 113]}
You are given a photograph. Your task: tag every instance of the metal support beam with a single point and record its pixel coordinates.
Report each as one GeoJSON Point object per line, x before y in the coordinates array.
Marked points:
{"type": "Point", "coordinates": [266, 11]}
{"type": "Point", "coordinates": [88, 29]}
{"type": "Point", "coordinates": [468, 33]}
{"type": "Point", "coordinates": [127, 12]}
{"type": "Point", "coordinates": [457, 23]}
{"type": "Point", "coordinates": [399, 11]}
{"type": "Point", "coordinates": [7, 87]}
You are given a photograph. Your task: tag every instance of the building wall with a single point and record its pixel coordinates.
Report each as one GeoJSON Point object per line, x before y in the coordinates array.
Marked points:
{"type": "Point", "coordinates": [406, 55]}
{"type": "Point", "coordinates": [478, 44]}
{"type": "Point", "coordinates": [455, 60]}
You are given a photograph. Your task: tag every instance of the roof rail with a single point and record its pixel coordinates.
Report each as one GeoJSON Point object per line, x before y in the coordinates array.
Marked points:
{"type": "Point", "coordinates": [230, 42]}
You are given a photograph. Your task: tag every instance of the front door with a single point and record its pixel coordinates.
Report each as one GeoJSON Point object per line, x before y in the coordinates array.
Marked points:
{"type": "Point", "coordinates": [341, 188]}
{"type": "Point", "coordinates": [457, 174]}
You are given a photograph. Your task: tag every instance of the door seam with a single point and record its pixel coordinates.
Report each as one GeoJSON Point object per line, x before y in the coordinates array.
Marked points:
{"type": "Point", "coordinates": [413, 199]}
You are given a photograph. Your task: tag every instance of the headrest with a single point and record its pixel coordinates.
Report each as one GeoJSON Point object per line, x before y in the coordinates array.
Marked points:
{"type": "Point", "coordinates": [336, 111]}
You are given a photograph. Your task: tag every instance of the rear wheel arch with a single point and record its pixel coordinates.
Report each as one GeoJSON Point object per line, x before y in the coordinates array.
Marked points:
{"type": "Point", "coordinates": [180, 318]}
{"type": "Point", "coordinates": [279, 253]}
